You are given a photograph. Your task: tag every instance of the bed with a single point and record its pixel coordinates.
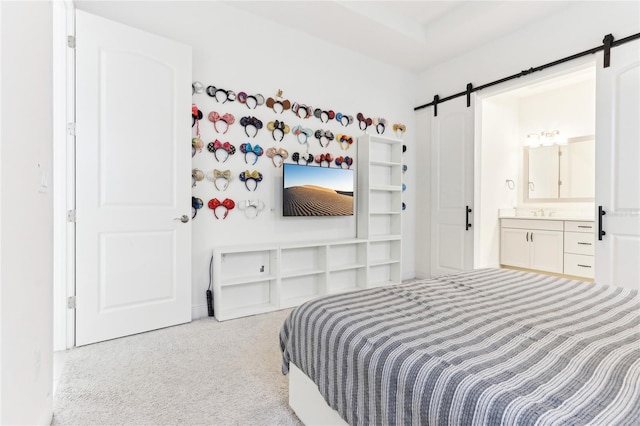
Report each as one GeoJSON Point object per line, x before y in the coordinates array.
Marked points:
{"type": "Point", "coordinates": [486, 347]}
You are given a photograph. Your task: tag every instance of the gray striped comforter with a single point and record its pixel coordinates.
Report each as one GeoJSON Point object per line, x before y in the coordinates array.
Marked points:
{"type": "Point", "coordinates": [486, 347]}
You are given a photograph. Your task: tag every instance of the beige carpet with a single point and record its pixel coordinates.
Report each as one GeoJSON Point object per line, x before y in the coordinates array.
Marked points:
{"type": "Point", "coordinates": [202, 373]}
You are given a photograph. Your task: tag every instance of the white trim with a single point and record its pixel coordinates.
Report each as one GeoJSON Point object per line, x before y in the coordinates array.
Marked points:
{"type": "Point", "coordinates": [63, 175]}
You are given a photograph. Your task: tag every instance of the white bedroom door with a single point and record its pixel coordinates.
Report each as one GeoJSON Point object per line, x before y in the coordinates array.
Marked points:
{"type": "Point", "coordinates": [133, 247]}
{"type": "Point", "coordinates": [617, 260]}
{"type": "Point", "coordinates": [452, 187]}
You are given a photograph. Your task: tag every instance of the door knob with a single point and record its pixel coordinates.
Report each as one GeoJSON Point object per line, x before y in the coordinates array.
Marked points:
{"type": "Point", "coordinates": [184, 218]}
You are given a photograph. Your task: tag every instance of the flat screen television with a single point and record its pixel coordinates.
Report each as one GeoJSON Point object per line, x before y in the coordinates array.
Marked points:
{"type": "Point", "coordinates": [317, 191]}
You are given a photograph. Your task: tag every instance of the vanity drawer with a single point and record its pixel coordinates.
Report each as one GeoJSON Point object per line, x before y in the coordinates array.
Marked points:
{"type": "Point", "coordinates": [579, 226]}
{"type": "Point", "coordinates": [579, 265]}
{"type": "Point", "coordinates": [579, 243]}
{"type": "Point", "coordinates": [542, 224]}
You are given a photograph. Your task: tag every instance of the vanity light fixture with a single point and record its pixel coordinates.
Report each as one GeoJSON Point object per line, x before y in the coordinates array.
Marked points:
{"type": "Point", "coordinates": [534, 140]}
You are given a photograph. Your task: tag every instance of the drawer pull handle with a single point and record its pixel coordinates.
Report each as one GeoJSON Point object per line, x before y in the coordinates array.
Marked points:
{"type": "Point", "coordinates": [584, 244]}
{"type": "Point", "coordinates": [584, 266]}
{"type": "Point", "coordinates": [585, 226]}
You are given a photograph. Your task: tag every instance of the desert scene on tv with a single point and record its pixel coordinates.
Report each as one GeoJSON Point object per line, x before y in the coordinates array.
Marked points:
{"type": "Point", "coordinates": [316, 191]}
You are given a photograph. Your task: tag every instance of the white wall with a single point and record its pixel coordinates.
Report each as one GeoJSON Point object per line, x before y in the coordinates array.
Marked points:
{"type": "Point", "coordinates": [235, 50]}
{"type": "Point", "coordinates": [26, 214]}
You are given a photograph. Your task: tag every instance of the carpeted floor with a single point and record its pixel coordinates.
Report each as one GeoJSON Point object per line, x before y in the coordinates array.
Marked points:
{"type": "Point", "coordinates": [202, 373]}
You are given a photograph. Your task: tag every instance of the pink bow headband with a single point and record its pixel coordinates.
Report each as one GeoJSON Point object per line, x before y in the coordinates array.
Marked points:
{"type": "Point", "coordinates": [227, 118]}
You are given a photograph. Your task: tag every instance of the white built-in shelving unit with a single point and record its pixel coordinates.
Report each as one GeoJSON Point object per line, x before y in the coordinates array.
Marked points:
{"type": "Point", "coordinates": [254, 279]}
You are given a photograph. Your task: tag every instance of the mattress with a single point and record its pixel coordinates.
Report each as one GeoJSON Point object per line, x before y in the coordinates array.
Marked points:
{"type": "Point", "coordinates": [490, 346]}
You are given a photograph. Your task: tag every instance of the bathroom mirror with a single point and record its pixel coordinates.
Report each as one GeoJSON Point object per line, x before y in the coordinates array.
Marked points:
{"type": "Point", "coordinates": [560, 172]}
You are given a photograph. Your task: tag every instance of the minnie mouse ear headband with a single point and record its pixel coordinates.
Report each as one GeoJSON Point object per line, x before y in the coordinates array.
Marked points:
{"type": "Point", "coordinates": [363, 122]}
{"type": "Point", "coordinates": [301, 111]}
{"type": "Point", "coordinates": [277, 156]}
{"type": "Point", "coordinates": [299, 130]}
{"type": "Point", "coordinates": [251, 208]}
{"type": "Point", "coordinates": [380, 124]}
{"type": "Point", "coordinates": [256, 150]}
{"type": "Point", "coordinates": [345, 120]}
{"type": "Point", "coordinates": [322, 115]}
{"type": "Point", "coordinates": [227, 204]}
{"type": "Point", "coordinates": [321, 158]}
{"type": "Point", "coordinates": [345, 141]}
{"type": "Point", "coordinates": [277, 104]}
{"type": "Point", "coordinates": [251, 122]}
{"type": "Point", "coordinates": [227, 119]}
{"type": "Point", "coordinates": [348, 161]}
{"type": "Point", "coordinates": [255, 176]}
{"type": "Point", "coordinates": [197, 87]}
{"type": "Point", "coordinates": [218, 94]}
{"type": "Point", "coordinates": [196, 204]}
{"type": "Point", "coordinates": [307, 158]}
{"type": "Point", "coordinates": [196, 115]}
{"type": "Point", "coordinates": [326, 134]}
{"type": "Point", "coordinates": [399, 128]}
{"type": "Point", "coordinates": [278, 126]}
{"type": "Point", "coordinates": [251, 101]}
{"type": "Point", "coordinates": [217, 146]}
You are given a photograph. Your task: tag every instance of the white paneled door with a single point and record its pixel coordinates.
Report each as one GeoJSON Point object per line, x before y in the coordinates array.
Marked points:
{"type": "Point", "coordinates": [452, 187]}
{"type": "Point", "coordinates": [617, 260]}
{"type": "Point", "coordinates": [133, 161]}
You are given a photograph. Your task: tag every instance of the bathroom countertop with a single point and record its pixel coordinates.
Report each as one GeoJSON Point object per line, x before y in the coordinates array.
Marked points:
{"type": "Point", "coordinates": [577, 218]}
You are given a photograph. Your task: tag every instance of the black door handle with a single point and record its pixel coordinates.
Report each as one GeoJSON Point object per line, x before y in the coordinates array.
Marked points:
{"type": "Point", "coordinates": [468, 210]}
{"type": "Point", "coordinates": [601, 232]}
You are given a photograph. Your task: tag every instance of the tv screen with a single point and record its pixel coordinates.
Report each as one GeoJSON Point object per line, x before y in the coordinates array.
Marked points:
{"type": "Point", "coordinates": [317, 191]}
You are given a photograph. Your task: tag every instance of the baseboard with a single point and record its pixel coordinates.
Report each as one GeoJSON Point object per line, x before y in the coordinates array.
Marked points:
{"type": "Point", "coordinates": [199, 311]}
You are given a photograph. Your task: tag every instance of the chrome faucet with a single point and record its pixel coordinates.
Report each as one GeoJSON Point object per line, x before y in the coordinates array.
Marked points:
{"type": "Point", "coordinates": [535, 213]}
{"type": "Point", "coordinates": [541, 212]}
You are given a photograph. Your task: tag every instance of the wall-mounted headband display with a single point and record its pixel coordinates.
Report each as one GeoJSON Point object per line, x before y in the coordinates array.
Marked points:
{"type": "Point", "coordinates": [399, 129]}
{"type": "Point", "coordinates": [254, 176]}
{"type": "Point", "coordinates": [301, 110]}
{"type": "Point", "coordinates": [363, 122]}
{"type": "Point", "coordinates": [197, 175]}
{"type": "Point", "coordinates": [278, 127]}
{"type": "Point", "coordinates": [305, 158]}
{"type": "Point", "coordinates": [196, 204]}
{"type": "Point", "coordinates": [380, 124]}
{"type": "Point", "coordinates": [300, 133]}
{"type": "Point", "coordinates": [196, 115]}
{"type": "Point", "coordinates": [326, 135]}
{"type": "Point", "coordinates": [251, 208]}
{"type": "Point", "coordinates": [278, 105]}
{"type": "Point", "coordinates": [251, 101]}
{"type": "Point", "coordinates": [344, 119]}
{"type": "Point", "coordinates": [277, 156]}
{"type": "Point", "coordinates": [227, 119]}
{"type": "Point", "coordinates": [255, 150]}
{"type": "Point", "coordinates": [324, 116]}
{"type": "Point", "coordinates": [220, 176]}
{"type": "Point", "coordinates": [218, 146]}
{"type": "Point", "coordinates": [347, 161]}
{"type": "Point", "coordinates": [324, 158]}
{"type": "Point", "coordinates": [227, 205]}
{"type": "Point", "coordinates": [196, 143]}
{"type": "Point", "coordinates": [197, 87]}
{"type": "Point", "coordinates": [345, 141]}
{"type": "Point", "coordinates": [250, 121]}
{"type": "Point", "coordinates": [221, 95]}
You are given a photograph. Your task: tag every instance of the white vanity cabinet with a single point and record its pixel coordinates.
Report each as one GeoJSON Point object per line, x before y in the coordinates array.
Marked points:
{"type": "Point", "coordinates": [579, 248]}
{"type": "Point", "coordinates": [532, 244]}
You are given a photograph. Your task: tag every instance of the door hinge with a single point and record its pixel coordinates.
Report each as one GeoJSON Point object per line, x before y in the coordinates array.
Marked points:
{"type": "Point", "coordinates": [71, 302]}
{"type": "Point", "coordinates": [71, 129]}
{"type": "Point", "coordinates": [71, 216]}
{"type": "Point", "coordinates": [71, 41]}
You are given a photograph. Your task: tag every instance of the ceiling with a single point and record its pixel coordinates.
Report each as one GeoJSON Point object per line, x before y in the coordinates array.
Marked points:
{"type": "Point", "coordinates": [412, 35]}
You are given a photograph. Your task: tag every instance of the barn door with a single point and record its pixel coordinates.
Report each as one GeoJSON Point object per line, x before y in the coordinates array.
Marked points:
{"type": "Point", "coordinates": [133, 250]}
{"type": "Point", "coordinates": [452, 188]}
{"type": "Point", "coordinates": [618, 175]}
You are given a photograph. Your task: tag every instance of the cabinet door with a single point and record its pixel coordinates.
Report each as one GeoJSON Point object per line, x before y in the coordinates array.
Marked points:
{"type": "Point", "coordinates": [514, 247]}
{"type": "Point", "coordinates": [546, 252]}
